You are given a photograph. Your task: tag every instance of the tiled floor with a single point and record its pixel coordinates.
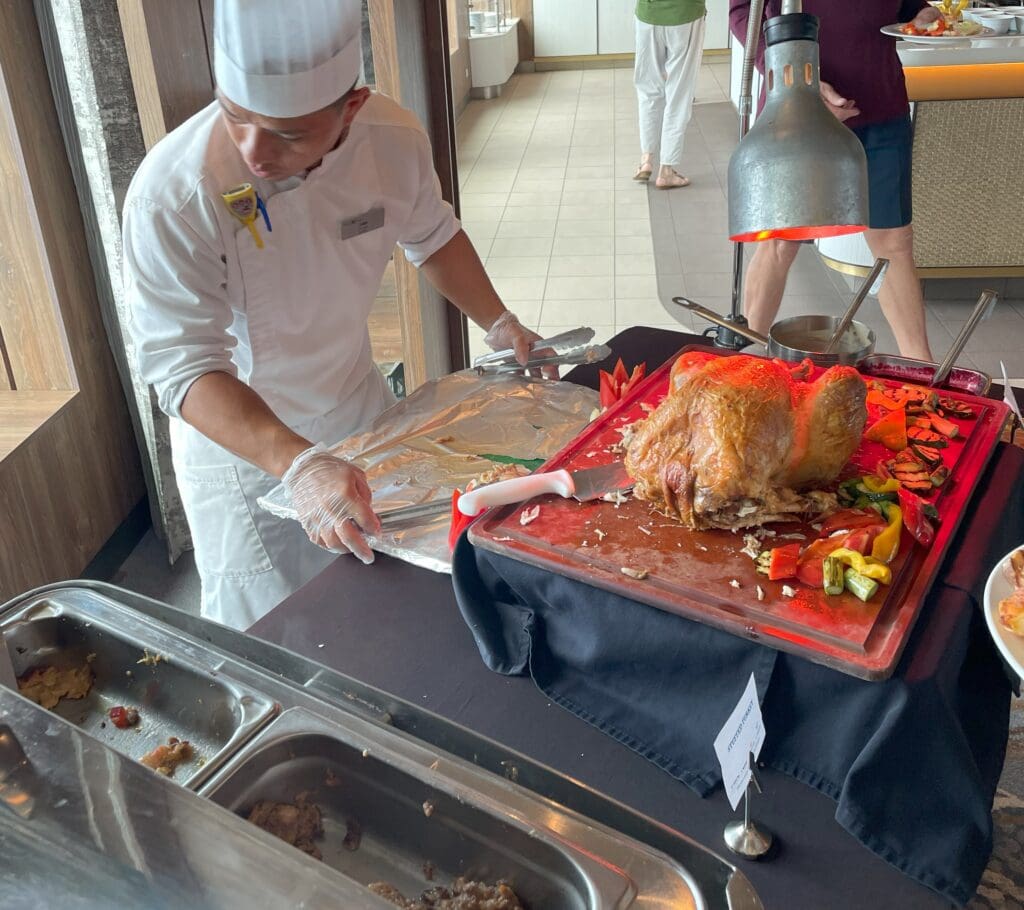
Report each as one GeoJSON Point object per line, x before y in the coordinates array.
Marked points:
{"type": "Point", "coordinates": [548, 199]}
{"type": "Point", "coordinates": [570, 239]}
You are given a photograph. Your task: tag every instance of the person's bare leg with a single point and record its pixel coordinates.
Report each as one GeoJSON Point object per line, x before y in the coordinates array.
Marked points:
{"type": "Point", "coordinates": [901, 298]}
{"type": "Point", "coordinates": [765, 281]}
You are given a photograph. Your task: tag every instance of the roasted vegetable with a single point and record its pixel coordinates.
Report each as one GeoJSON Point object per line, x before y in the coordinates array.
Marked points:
{"type": "Point", "coordinates": [931, 457]}
{"type": "Point", "coordinates": [782, 562]}
{"type": "Point", "coordinates": [859, 586]}
{"type": "Point", "coordinates": [864, 565]}
{"type": "Point", "coordinates": [890, 430]}
{"type": "Point", "coordinates": [951, 407]}
{"type": "Point", "coordinates": [886, 545]}
{"type": "Point", "coordinates": [943, 426]}
{"type": "Point", "coordinates": [916, 514]}
{"type": "Point", "coordinates": [832, 575]}
{"type": "Point", "coordinates": [923, 437]}
{"type": "Point", "coordinates": [939, 476]}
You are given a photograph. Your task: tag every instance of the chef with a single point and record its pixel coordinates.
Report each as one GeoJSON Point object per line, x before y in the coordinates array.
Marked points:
{"type": "Point", "coordinates": [256, 235]}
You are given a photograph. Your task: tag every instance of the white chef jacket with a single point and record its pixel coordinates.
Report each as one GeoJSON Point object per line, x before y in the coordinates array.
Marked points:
{"type": "Point", "coordinates": [290, 320]}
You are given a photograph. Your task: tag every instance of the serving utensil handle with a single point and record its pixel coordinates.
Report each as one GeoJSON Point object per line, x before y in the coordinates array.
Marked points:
{"type": "Point", "coordinates": [982, 309]}
{"type": "Point", "coordinates": [517, 489]}
{"type": "Point", "coordinates": [858, 299]}
{"type": "Point", "coordinates": [711, 316]}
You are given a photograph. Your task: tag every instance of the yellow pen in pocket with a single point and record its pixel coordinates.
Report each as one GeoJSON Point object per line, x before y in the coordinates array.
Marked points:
{"type": "Point", "coordinates": [244, 204]}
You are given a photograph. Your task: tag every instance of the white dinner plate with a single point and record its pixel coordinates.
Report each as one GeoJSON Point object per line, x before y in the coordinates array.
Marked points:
{"type": "Point", "coordinates": [893, 31]}
{"type": "Point", "coordinates": [997, 587]}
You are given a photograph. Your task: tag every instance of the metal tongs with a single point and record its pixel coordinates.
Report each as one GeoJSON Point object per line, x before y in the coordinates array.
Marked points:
{"type": "Point", "coordinates": [565, 349]}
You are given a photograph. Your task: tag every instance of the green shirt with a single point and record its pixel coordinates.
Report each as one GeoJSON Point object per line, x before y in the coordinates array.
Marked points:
{"type": "Point", "coordinates": [669, 12]}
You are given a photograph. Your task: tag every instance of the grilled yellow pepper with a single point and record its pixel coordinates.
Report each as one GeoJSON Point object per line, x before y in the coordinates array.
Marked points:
{"type": "Point", "coordinates": [867, 566]}
{"type": "Point", "coordinates": [887, 544]}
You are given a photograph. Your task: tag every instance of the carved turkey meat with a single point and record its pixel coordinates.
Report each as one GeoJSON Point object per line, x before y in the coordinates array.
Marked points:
{"type": "Point", "coordinates": [741, 441]}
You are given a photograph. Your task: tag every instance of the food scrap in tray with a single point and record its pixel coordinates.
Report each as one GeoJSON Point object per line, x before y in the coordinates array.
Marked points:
{"type": "Point", "coordinates": [123, 717]}
{"type": "Point", "coordinates": [1011, 609]}
{"type": "Point", "coordinates": [46, 686]}
{"type": "Point", "coordinates": [464, 894]}
{"type": "Point", "coordinates": [164, 759]}
{"type": "Point", "coordinates": [148, 659]}
{"type": "Point", "coordinates": [299, 824]}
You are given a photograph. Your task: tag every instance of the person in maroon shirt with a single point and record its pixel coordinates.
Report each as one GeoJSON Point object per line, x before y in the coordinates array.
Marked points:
{"type": "Point", "coordinates": [862, 84]}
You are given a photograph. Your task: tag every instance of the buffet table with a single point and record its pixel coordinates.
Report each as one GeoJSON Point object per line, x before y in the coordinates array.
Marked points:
{"type": "Point", "coordinates": [397, 627]}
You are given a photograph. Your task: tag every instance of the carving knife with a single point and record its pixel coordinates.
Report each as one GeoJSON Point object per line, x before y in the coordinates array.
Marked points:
{"type": "Point", "coordinates": [590, 483]}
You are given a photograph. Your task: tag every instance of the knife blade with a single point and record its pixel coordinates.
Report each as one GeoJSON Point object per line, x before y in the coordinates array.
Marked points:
{"type": "Point", "coordinates": [584, 485]}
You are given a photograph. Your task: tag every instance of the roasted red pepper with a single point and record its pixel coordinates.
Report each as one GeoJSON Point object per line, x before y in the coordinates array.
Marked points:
{"type": "Point", "coordinates": [851, 520]}
{"type": "Point", "coordinates": [782, 562]}
{"type": "Point", "coordinates": [123, 717]}
{"type": "Point", "coordinates": [615, 384]}
{"type": "Point", "coordinates": [916, 513]}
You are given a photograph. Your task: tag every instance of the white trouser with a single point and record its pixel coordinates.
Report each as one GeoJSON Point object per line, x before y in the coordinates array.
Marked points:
{"type": "Point", "coordinates": [248, 559]}
{"type": "Point", "coordinates": [665, 75]}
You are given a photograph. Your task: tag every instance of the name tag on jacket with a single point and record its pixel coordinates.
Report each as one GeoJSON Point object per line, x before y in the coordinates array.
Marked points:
{"type": "Point", "coordinates": [362, 224]}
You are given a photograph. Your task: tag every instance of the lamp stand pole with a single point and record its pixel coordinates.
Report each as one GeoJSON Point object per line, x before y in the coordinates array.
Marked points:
{"type": "Point", "coordinates": [725, 338]}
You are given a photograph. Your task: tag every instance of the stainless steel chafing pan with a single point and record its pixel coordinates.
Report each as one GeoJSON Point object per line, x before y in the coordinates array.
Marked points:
{"type": "Point", "coordinates": [177, 690]}
{"type": "Point", "coordinates": [398, 813]}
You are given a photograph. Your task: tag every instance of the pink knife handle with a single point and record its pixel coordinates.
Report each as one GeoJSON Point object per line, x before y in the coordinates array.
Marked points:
{"type": "Point", "coordinates": [517, 489]}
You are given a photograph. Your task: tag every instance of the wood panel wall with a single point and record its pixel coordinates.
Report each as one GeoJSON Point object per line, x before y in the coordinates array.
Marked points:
{"type": "Point", "coordinates": [170, 54]}
{"type": "Point", "coordinates": [68, 487]}
{"type": "Point", "coordinates": [524, 10]}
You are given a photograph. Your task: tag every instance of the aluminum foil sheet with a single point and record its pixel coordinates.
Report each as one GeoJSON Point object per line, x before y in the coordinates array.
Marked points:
{"type": "Point", "coordinates": [434, 441]}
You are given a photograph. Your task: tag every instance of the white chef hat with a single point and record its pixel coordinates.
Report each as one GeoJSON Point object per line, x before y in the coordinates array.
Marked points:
{"type": "Point", "coordinates": [286, 59]}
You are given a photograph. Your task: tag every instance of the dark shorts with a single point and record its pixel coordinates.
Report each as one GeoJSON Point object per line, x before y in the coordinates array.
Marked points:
{"type": "Point", "coordinates": [889, 147]}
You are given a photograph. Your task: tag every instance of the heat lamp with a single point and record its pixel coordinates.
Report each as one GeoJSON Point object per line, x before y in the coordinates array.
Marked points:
{"type": "Point", "coordinates": [798, 173]}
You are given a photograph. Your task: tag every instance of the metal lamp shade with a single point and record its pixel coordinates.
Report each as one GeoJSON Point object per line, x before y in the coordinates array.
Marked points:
{"type": "Point", "coordinates": [799, 173]}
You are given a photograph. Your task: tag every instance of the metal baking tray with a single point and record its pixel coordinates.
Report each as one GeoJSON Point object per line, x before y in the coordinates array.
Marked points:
{"type": "Point", "coordinates": [424, 818]}
{"type": "Point", "coordinates": [706, 576]}
{"type": "Point", "coordinates": [920, 372]}
{"type": "Point", "coordinates": [184, 693]}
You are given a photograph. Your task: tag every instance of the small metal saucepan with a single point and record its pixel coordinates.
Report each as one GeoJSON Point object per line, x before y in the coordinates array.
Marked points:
{"type": "Point", "coordinates": [801, 337]}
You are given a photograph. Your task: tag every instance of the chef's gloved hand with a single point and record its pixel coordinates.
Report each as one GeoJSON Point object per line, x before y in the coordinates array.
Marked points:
{"type": "Point", "coordinates": [332, 500]}
{"type": "Point", "coordinates": [508, 332]}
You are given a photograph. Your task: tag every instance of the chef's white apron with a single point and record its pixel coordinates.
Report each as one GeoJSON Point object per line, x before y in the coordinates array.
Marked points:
{"type": "Point", "coordinates": [307, 290]}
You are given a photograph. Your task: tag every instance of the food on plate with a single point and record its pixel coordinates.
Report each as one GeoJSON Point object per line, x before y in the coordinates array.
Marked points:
{"type": "Point", "coordinates": [46, 686]}
{"type": "Point", "coordinates": [739, 441]}
{"type": "Point", "coordinates": [464, 894]}
{"type": "Point", "coordinates": [1011, 609]}
{"type": "Point", "coordinates": [299, 823]}
{"type": "Point", "coordinates": [164, 759]}
{"type": "Point", "coordinates": [123, 717]}
{"type": "Point", "coordinates": [943, 27]}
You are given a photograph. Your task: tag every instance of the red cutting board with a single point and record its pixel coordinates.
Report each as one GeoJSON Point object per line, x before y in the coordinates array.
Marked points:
{"type": "Point", "coordinates": [704, 576]}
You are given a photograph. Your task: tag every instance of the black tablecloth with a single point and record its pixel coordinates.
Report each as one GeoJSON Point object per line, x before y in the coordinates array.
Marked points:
{"type": "Point", "coordinates": [912, 761]}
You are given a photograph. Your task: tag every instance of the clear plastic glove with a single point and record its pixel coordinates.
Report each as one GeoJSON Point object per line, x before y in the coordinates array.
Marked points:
{"type": "Point", "coordinates": [508, 332]}
{"type": "Point", "coordinates": [332, 500]}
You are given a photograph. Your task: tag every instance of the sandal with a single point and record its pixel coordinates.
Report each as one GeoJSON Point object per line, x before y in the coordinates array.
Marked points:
{"type": "Point", "coordinates": [672, 180]}
{"type": "Point", "coordinates": [643, 173]}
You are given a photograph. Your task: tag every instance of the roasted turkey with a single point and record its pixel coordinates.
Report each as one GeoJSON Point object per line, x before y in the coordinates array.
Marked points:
{"type": "Point", "coordinates": [741, 441]}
